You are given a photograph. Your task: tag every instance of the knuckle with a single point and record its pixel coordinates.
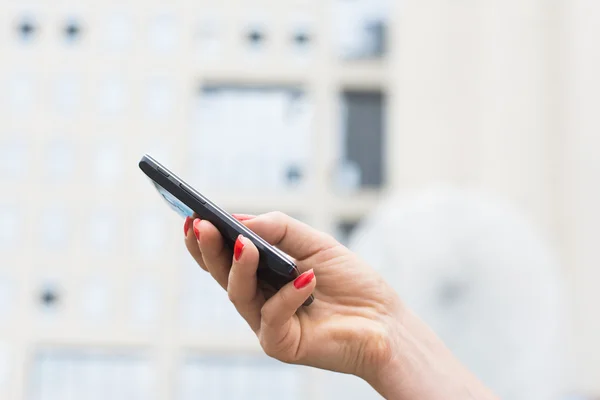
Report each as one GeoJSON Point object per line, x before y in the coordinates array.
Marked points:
{"type": "Point", "coordinates": [233, 298]}
{"type": "Point", "coordinates": [282, 348]}
{"type": "Point", "coordinates": [278, 216]}
{"type": "Point", "coordinates": [269, 349]}
{"type": "Point", "coordinates": [267, 318]}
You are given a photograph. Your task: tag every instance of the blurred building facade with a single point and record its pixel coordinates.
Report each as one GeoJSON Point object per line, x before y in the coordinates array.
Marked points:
{"type": "Point", "coordinates": [312, 108]}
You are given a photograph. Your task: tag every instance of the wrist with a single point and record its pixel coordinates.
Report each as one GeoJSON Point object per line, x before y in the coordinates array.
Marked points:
{"type": "Point", "coordinates": [422, 367]}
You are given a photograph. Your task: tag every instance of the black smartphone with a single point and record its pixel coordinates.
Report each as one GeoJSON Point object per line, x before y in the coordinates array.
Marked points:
{"type": "Point", "coordinates": [275, 268]}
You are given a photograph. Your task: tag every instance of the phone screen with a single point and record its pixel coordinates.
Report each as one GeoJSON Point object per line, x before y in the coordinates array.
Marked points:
{"type": "Point", "coordinates": [174, 202]}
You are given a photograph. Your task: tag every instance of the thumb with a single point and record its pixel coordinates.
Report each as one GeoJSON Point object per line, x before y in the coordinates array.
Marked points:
{"type": "Point", "coordinates": [278, 327]}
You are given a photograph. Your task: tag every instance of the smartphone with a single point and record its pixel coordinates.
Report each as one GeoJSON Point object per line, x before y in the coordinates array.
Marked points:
{"type": "Point", "coordinates": [275, 268]}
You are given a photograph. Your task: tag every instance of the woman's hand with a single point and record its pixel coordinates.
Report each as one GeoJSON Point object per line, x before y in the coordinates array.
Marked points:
{"type": "Point", "coordinates": [356, 324]}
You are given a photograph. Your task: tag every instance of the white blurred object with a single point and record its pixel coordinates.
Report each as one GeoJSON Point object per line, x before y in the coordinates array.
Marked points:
{"type": "Point", "coordinates": [478, 274]}
{"type": "Point", "coordinates": [360, 27]}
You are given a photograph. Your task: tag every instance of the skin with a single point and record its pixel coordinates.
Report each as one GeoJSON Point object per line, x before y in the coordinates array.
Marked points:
{"type": "Point", "coordinates": [356, 325]}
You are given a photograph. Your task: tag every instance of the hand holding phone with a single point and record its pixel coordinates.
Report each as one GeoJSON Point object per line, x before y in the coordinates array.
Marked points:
{"type": "Point", "coordinates": [275, 268]}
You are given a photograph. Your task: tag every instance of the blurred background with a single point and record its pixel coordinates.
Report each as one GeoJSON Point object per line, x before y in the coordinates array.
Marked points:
{"type": "Point", "coordinates": [466, 131]}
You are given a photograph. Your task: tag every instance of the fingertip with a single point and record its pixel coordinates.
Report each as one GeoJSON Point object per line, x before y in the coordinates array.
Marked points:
{"type": "Point", "coordinates": [244, 250]}
{"type": "Point", "coordinates": [305, 280]}
{"type": "Point", "coordinates": [196, 228]}
{"type": "Point", "coordinates": [186, 226]}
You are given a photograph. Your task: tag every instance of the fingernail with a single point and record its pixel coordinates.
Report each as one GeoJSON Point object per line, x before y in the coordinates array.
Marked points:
{"type": "Point", "coordinates": [304, 279]}
{"type": "Point", "coordinates": [238, 248]}
{"type": "Point", "coordinates": [186, 225]}
{"type": "Point", "coordinates": [243, 217]}
{"type": "Point", "coordinates": [197, 228]}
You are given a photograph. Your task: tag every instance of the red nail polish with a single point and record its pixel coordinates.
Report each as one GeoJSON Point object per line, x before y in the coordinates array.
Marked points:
{"type": "Point", "coordinates": [243, 217]}
{"type": "Point", "coordinates": [304, 279]}
{"type": "Point", "coordinates": [186, 225]}
{"type": "Point", "coordinates": [238, 248]}
{"type": "Point", "coordinates": [197, 228]}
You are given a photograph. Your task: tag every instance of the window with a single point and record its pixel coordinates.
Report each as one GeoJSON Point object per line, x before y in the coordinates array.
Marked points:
{"type": "Point", "coordinates": [103, 230]}
{"type": "Point", "coordinates": [145, 300]}
{"type": "Point", "coordinates": [91, 374]}
{"type": "Point", "coordinates": [54, 229]}
{"type": "Point", "coordinates": [209, 37]}
{"type": "Point", "coordinates": [163, 34]}
{"type": "Point", "coordinates": [96, 299]}
{"type": "Point", "coordinates": [301, 36]}
{"type": "Point", "coordinates": [344, 231]}
{"type": "Point", "coordinates": [112, 96]}
{"type": "Point", "coordinates": [255, 378]}
{"type": "Point", "coordinates": [256, 37]}
{"type": "Point", "coordinates": [7, 297]}
{"type": "Point", "coordinates": [360, 28]}
{"type": "Point", "coordinates": [107, 162]}
{"type": "Point", "coordinates": [49, 298]}
{"type": "Point", "coordinates": [149, 234]}
{"type": "Point", "coordinates": [67, 94]}
{"type": "Point", "coordinates": [27, 29]}
{"type": "Point", "coordinates": [362, 141]}
{"type": "Point", "coordinates": [60, 162]}
{"type": "Point", "coordinates": [72, 31]}
{"type": "Point", "coordinates": [159, 98]}
{"type": "Point", "coordinates": [21, 93]}
{"type": "Point", "coordinates": [118, 32]}
{"type": "Point", "coordinates": [271, 133]}
{"type": "Point", "coordinates": [10, 223]}
{"type": "Point", "coordinates": [13, 160]}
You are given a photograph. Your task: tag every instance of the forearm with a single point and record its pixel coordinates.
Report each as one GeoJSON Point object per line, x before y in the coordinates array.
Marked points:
{"type": "Point", "coordinates": [423, 368]}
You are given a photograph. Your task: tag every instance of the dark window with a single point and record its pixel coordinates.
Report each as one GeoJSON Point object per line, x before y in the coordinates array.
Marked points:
{"type": "Point", "coordinates": [27, 29]}
{"type": "Point", "coordinates": [72, 31]}
{"type": "Point", "coordinates": [364, 135]}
